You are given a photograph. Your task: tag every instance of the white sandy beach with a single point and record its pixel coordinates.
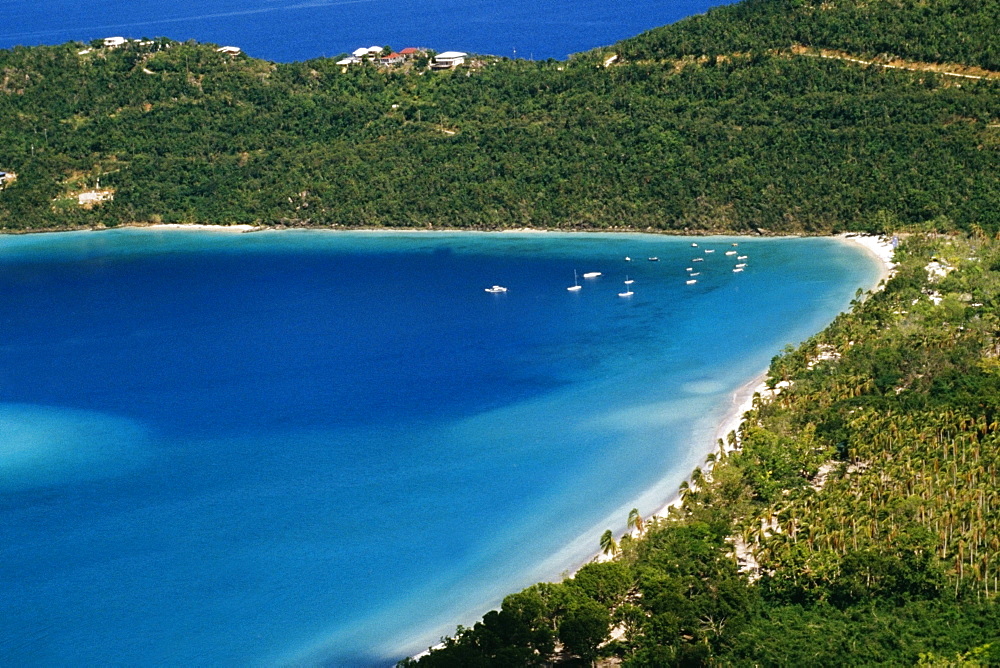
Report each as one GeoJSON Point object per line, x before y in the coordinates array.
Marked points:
{"type": "Point", "coordinates": [199, 226]}
{"type": "Point", "coordinates": [879, 247]}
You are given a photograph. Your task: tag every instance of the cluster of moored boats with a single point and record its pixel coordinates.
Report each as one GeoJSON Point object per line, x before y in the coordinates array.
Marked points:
{"type": "Point", "coordinates": [737, 268]}
{"type": "Point", "coordinates": [692, 274]}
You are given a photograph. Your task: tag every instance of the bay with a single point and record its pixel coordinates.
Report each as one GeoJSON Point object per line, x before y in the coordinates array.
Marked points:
{"type": "Point", "coordinates": [319, 448]}
{"type": "Point", "coordinates": [293, 30]}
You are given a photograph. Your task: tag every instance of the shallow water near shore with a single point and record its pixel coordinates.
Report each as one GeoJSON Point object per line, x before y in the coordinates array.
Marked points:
{"type": "Point", "coordinates": [326, 448]}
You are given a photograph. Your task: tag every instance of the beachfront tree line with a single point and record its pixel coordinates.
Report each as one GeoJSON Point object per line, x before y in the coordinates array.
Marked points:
{"type": "Point", "coordinates": [679, 134]}
{"type": "Point", "coordinates": [856, 524]}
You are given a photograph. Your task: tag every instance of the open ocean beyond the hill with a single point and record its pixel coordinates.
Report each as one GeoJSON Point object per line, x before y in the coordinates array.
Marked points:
{"type": "Point", "coordinates": [330, 448]}
{"type": "Point", "coordinates": [291, 30]}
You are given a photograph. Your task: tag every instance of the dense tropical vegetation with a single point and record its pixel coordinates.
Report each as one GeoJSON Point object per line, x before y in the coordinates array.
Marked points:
{"type": "Point", "coordinates": [729, 121]}
{"type": "Point", "coordinates": [942, 31]}
{"type": "Point", "coordinates": [857, 523]}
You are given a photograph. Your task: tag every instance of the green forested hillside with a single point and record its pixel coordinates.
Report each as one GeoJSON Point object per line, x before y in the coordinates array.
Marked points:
{"type": "Point", "coordinates": [934, 31]}
{"type": "Point", "coordinates": [857, 524]}
{"type": "Point", "coordinates": [669, 137]}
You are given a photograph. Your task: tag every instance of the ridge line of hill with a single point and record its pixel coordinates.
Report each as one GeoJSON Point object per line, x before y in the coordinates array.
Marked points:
{"type": "Point", "coordinates": [899, 63]}
{"type": "Point", "coordinates": [894, 63]}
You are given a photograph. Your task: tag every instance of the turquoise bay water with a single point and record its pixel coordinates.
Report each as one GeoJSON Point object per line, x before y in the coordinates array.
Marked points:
{"type": "Point", "coordinates": [331, 448]}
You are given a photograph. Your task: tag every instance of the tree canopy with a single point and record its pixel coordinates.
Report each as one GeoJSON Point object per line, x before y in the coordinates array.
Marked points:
{"type": "Point", "coordinates": [714, 124]}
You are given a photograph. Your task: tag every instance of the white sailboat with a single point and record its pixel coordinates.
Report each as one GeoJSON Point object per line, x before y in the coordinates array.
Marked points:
{"type": "Point", "coordinates": [628, 281]}
{"type": "Point", "coordinates": [592, 274]}
{"type": "Point", "coordinates": [576, 283]}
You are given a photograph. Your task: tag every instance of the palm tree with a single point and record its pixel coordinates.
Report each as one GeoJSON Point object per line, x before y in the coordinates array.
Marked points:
{"type": "Point", "coordinates": [608, 544]}
{"type": "Point", "coordinates": [635, 521]}
{"type": "Point", "coordinates": [685, 490]}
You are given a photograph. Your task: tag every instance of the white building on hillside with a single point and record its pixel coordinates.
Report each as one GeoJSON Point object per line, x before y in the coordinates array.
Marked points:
{"type": "Point", "coordinates": [448, 60]}
{"type": "Point", "coordinates": [92, 197]}
{"type": "Point", "coordinates": [112, 42]}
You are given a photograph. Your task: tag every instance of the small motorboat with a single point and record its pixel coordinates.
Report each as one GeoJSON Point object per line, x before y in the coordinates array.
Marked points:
{"type": "Point", "coordinates": [496, 289]}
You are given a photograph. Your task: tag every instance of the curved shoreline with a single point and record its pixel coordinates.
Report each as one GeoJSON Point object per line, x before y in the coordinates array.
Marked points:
{"type": "Point", "coordinates": [878, 248]}
{"type": "Point", "coordinates": [741, 400]}
{"type": "Point", "coordinates": [731, 406]}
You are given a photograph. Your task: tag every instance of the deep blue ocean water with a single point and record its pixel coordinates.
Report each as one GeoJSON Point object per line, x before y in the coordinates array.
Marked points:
{"type": "Point", "coordinates": [290, 30]}
{"type": "Point", "coordinates": [330, 448]}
